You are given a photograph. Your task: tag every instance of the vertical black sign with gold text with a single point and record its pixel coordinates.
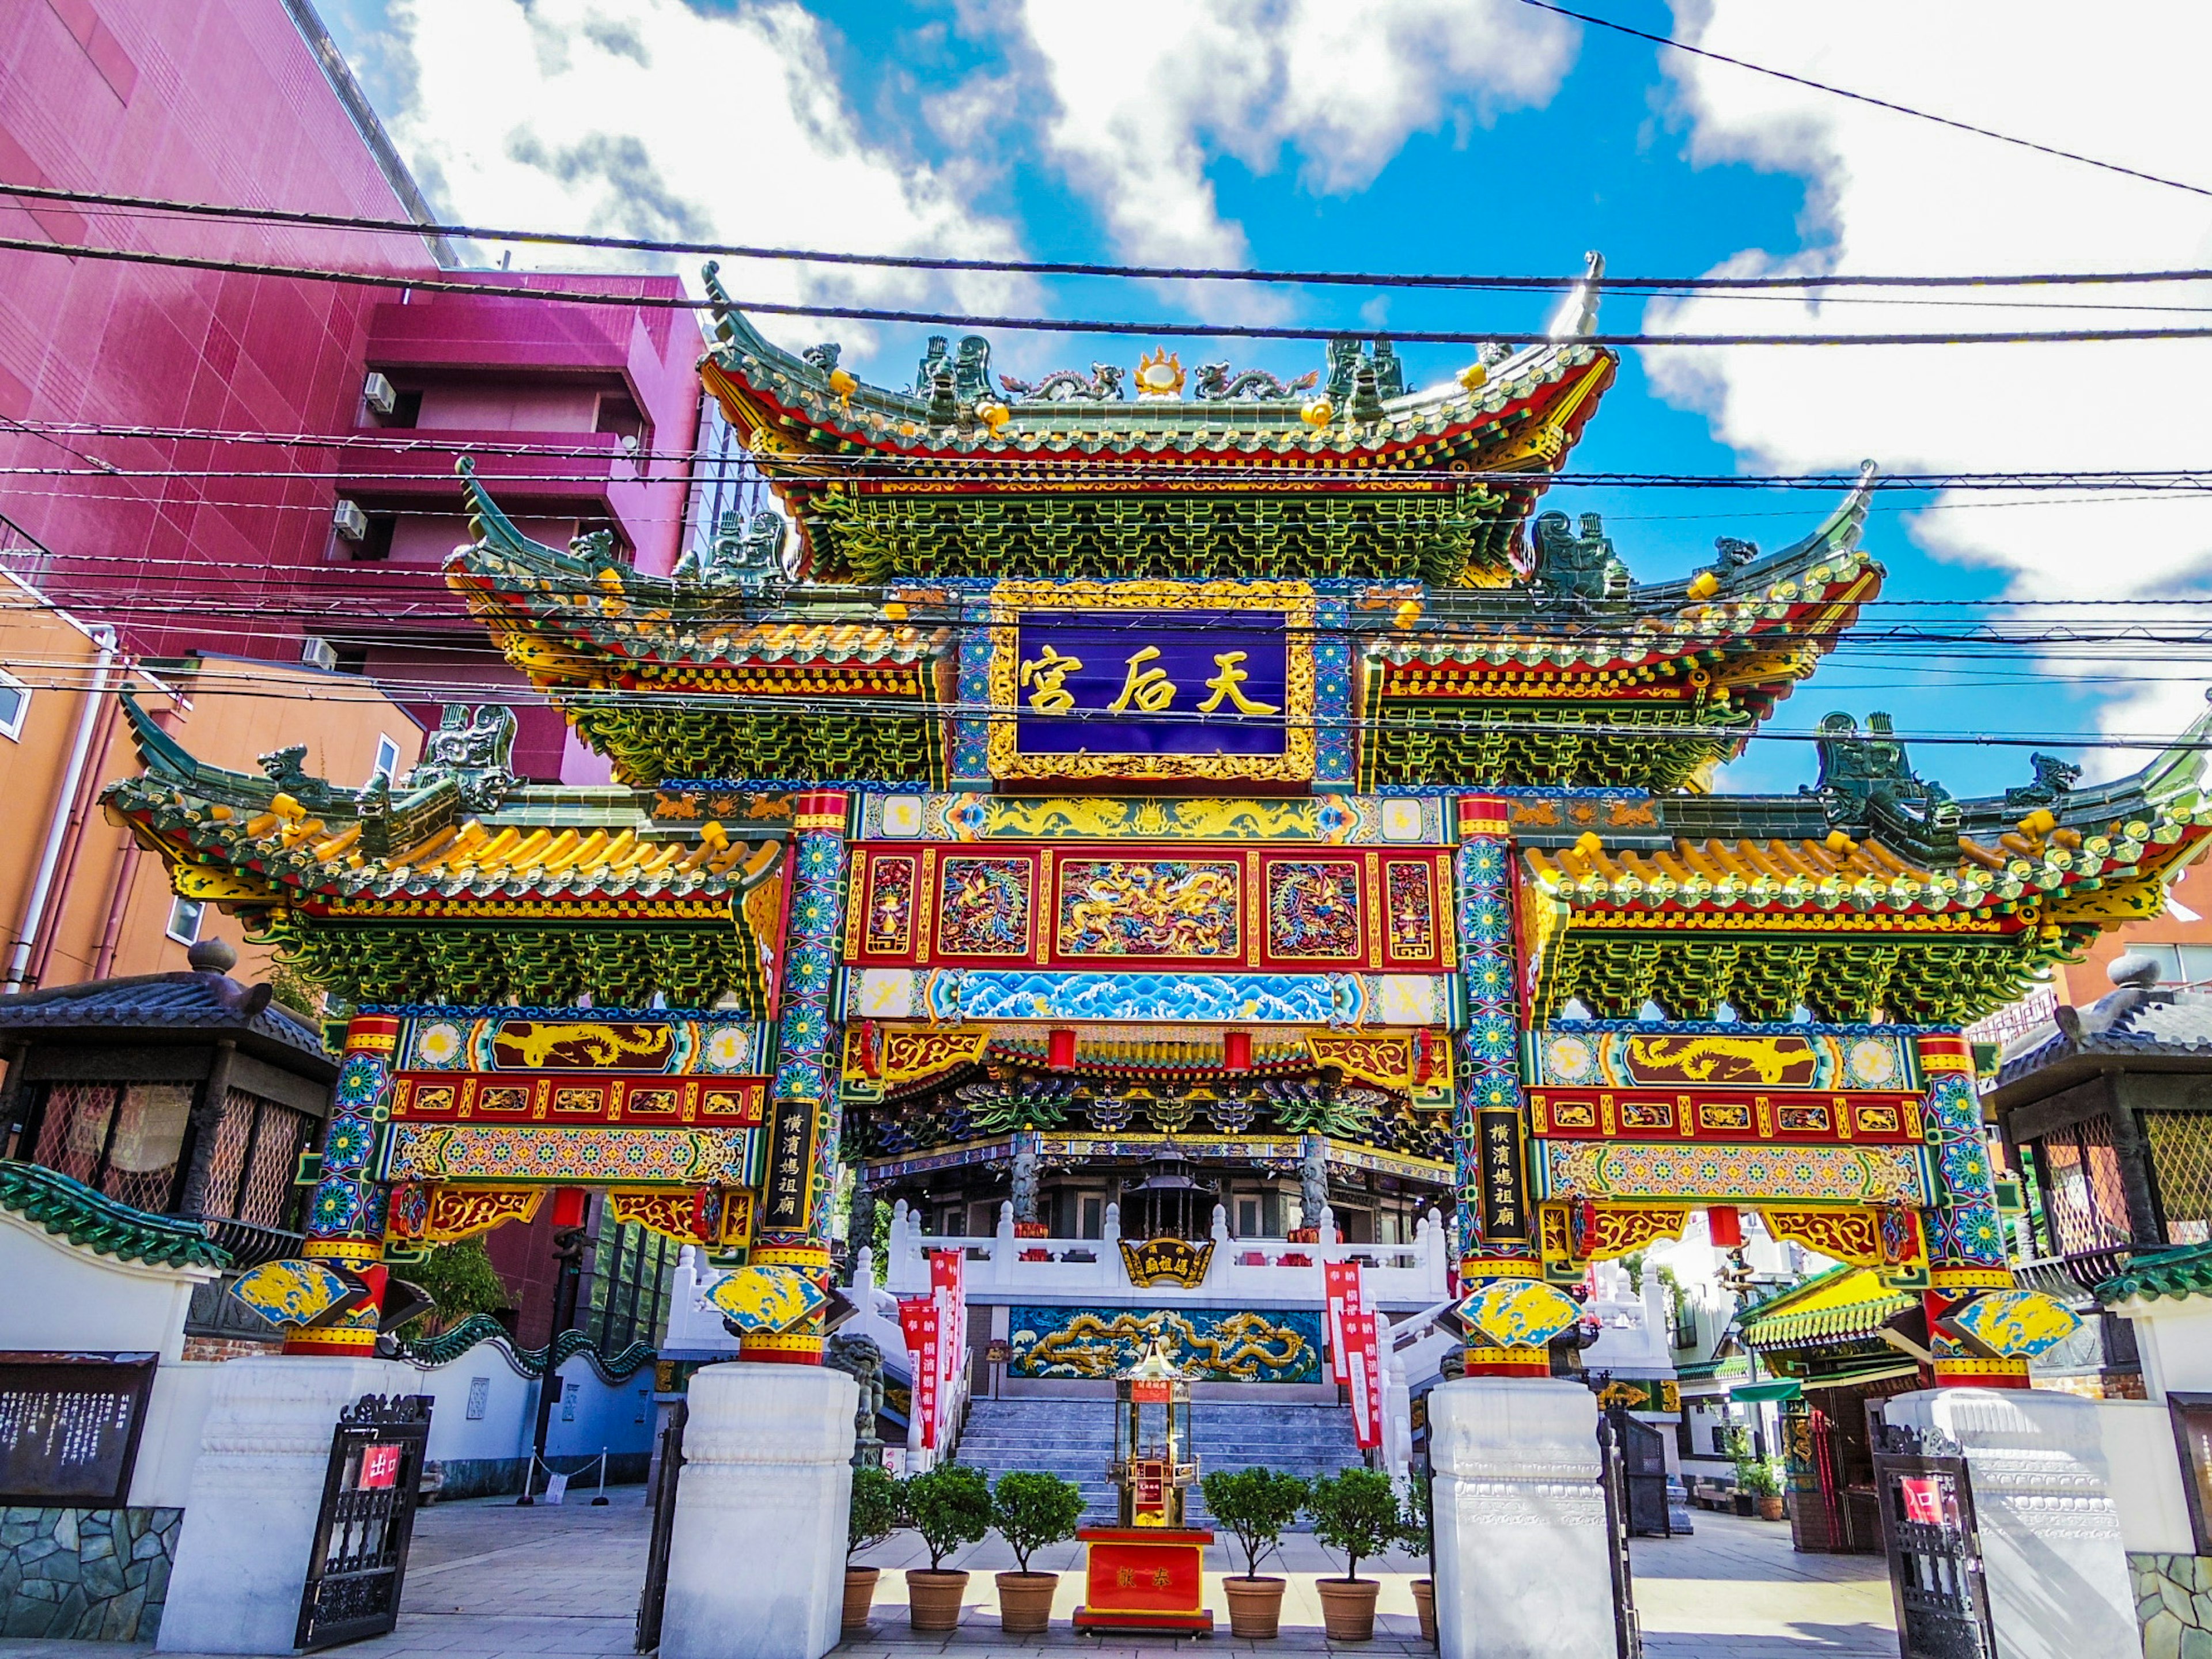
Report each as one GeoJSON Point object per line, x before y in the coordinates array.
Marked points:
{"type": "Point", "coordinates": [784, 1200]}
{"type": "Point", "coordinates": [1504, 1194]}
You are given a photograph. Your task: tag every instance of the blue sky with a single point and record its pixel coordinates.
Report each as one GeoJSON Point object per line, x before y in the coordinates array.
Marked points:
{"type": "Point", "coordinates": [1439, 135]}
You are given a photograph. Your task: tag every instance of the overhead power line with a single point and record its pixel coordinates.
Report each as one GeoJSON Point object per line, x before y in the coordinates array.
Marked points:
{"type": "Point", "coordinates": [474, 690]}
{"type": "Point", "coordinates": [1867, 97]}
{"type": "Point", "coordinates": [1161, 329]}
{"type": "Point", "coordinates": [1608, 283]}
{"type": "Point", "coordinates": [891, 468]}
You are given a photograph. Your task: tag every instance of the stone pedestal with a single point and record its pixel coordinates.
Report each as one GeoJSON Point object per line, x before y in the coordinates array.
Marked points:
{"type": "Point", "coordinates": [250, 1509]}
{"type": "Point", "coordinates": [1521, 1564]}
{"type": "Point", "coordinates": [756, 1567]}
{"type": "Point", "coordinates": [2057, 1571]}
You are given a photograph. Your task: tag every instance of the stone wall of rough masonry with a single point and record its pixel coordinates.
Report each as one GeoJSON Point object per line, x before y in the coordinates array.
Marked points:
{"type": "Point", "coordinates": [2173, 1604]}
{"type": "Point", "coordinates": [85, 1575]}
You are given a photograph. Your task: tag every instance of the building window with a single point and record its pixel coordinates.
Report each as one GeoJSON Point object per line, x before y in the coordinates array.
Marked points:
{"type": "Point", "coordinates": [479, 1398]}
{"type": "Point", "coordinates": [387, 761]}
{"type": "Point", "coordinates": [631, 1270]}
{"type": "Point", "coordinates": [2177, 964]}
{"type": "Point", "coordinates": [122, 1139]}
{"type": "Point", "coordinates": [184, 920]}
{"type": "Point", "coordinates": [15, 706]}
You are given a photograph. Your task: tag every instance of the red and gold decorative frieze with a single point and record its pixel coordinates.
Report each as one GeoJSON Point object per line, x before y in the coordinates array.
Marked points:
{"type": "Point", "coordinates": [728, 1103]}
{"type": "Point", "coordinates": [1182, 907]}
{"type": "Point", "coordinates": [1723, 1114]}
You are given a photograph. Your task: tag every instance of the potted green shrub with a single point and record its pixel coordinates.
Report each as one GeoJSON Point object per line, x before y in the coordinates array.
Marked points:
{"type": "Point", "coordinates": [1740, 1497]}
{"type": "Point", "coordinates": [1031, 1510]}
{"type": "Point", "coordinates": [1356, 1514]}
{"type": "Point", "coordinates": [875, 1516]}
{"type": "Point", "coordinates": [949, 1505]}
{"type": "Point", "coordinates": [1416, 1532]}
{"type": "Point", "coordinates": [1255, 1506]}
{"type": "Point", "coordinates": [1759, 1478]}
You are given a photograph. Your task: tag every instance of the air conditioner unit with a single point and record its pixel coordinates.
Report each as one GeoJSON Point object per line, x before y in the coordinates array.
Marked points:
{"type": "Point", "coordinates": [352, 523]}
{"type": "Point", "coordinates": [318, 653]}
{"type": "Point", "coordinates": [376, 392]}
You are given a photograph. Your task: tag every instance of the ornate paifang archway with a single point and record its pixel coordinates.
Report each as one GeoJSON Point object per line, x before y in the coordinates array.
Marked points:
{"type": "Point", "coordinates": [1584, 1140]}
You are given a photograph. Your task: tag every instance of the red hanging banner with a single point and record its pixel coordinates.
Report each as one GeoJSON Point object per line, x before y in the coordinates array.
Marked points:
{"type": "Point", "coordinates": [1366, 1379]}
{"type": "Point", "coordinates": [1340, 1285]}
{"type": "Point", "coordinates": [920, 1322]}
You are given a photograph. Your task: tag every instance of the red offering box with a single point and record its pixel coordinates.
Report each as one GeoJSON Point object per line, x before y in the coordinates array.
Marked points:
{"type": "Point", "coordinates": [1144, 1578]}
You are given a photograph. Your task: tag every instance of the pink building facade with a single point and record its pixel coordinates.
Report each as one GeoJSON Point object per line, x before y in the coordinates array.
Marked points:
{"type": "Point", "coordinates": [186, 543]}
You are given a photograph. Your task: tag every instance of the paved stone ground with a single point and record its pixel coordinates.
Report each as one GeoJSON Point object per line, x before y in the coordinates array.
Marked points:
{"type": "Point", "coordinates": [1737, 1591]}
{"type": "Point", "coordinates": [488, 1580]}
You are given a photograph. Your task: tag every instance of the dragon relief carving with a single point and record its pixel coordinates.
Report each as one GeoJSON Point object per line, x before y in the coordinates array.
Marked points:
{"type": "Point", "coordinates": [1102, 385]}
{"type": "Point", "coordinates": [1243, 1347]}
{"type": "Point", "coordinates": [536, 1041]}
{"type": "Point", "coordinates": [1721, 1059]}
{"type": "Point", "coordinates": [1214, 384]}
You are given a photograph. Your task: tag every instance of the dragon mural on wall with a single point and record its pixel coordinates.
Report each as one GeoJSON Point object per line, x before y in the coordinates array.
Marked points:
{"type": "Point", "coordinates": [1276, 1346]}
{"type": "Point", "coordinates": [1163, 907]}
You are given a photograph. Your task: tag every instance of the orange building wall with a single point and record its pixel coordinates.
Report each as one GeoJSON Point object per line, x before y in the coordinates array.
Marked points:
{"type": "Point", "coordinates": [115, 901]}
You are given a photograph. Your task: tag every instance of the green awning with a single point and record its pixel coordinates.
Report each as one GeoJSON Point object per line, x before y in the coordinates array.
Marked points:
{"type": "Point", "coordinates": [1753, 1393]}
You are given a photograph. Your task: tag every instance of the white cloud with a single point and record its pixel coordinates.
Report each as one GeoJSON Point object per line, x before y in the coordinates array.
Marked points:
{"type": "Point", "coordinates": [1893, 194]}
{"type": "Point", "coordinates": [1145, 93]}
{"type": "Point", "coordinates": [647, 118]}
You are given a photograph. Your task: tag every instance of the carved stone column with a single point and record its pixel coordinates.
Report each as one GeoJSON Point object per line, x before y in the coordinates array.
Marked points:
{"type": "Point", "coordinates": [1521, 1557]}
{"type": "Point", "coordinates": [1025, 1194]}
{"type": "Point", "coordinates": [756, 1564]}
{"type": "Point", "coordinates": [256, 1490]}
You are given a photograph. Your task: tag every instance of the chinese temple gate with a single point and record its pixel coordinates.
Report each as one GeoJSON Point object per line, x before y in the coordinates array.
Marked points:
{"type": "Point", "coordinates": [1105, 774]}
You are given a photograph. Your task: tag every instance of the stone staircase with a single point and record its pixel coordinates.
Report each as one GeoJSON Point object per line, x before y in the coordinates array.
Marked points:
{"type": "Point", "coordinates": [1074, 1439]}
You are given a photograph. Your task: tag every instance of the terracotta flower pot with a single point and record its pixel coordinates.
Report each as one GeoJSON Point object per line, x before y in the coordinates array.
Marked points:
{"type": "Point", "coordinates": [1347, 1608]}
{"type": "Point", "coordinates": [1255, 1607]}
{"type": "Point", "coordinates": [1424, 1604]}
{"type": "Point", "coordinates": [860, 1596]}
{"type": "Point", "coordinates": [934, 1598]}
{"type": "Point", "coordinates": [1769, 1509]}
{"type": "Point", "coordinates": [1025, 1602]}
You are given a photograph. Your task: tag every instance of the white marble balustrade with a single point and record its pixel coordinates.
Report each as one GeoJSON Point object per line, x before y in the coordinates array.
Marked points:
{"type": "Point", "coordinates": [1260, 1271]}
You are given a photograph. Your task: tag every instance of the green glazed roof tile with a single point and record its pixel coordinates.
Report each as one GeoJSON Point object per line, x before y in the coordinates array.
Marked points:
{"type": "Point", "coordinates": [2176, 1273]}
{"type": "Point", "coordinates": [69, 1209]}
